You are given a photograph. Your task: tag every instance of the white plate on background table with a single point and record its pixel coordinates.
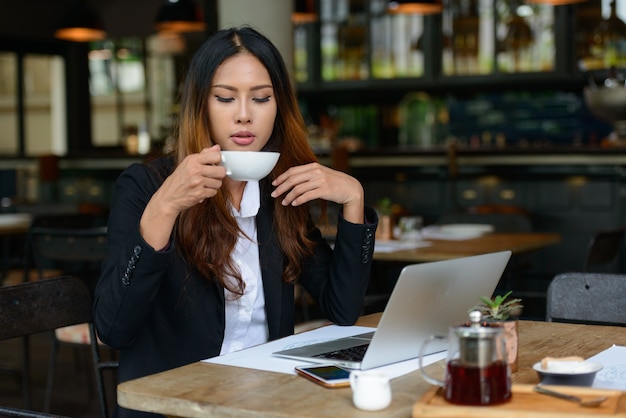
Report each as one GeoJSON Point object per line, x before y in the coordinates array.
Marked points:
{"type": "Point", "coordinates": [12, 219]}
{"type": "Point", "coordinates": [456, 231]}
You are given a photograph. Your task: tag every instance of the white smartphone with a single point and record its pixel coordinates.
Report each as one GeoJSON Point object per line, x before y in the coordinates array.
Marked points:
{"type": "Point", "coordinates": [327, 375]}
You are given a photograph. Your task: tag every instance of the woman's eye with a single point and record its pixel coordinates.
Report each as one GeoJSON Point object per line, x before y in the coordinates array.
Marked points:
{"type": "Point", "coordinates": [262, 99]}
{"type": "Point", "coordinates": [224, 99]}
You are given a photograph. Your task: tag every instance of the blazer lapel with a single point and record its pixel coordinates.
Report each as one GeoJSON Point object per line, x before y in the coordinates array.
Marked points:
{"type": "Point", "coordinates": [271, 265]}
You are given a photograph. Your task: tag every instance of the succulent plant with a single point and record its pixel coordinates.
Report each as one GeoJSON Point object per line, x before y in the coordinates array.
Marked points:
{"type": "Point", "coordinates": [498, 308]}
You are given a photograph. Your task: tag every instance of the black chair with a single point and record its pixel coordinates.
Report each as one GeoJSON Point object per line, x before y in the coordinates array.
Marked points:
{"type": "Point", "coordinates": [6, 411]}
{"type": "Point", "coordinates": [43, 306]}
{"type": "Point", "coordinates": [592, 298]}
{"type": "Point", "coordinates": [604, 248]}
{"type": "Point", "coordinates": [77, 252]}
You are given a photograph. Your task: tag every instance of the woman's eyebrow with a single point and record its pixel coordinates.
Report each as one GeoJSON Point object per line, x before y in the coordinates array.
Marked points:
{"type": "Point", "coordinates": [232, 88]}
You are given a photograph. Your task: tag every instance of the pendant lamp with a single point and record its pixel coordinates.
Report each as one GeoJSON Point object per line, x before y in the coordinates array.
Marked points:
{"type": "Point", "coordinates": [556, 2]}
{"type": "Point", "coordinates": [304, 11]}
{"type": "Point", "coordinates": [421, 7]}
{"type": "Point", "coordinates": [81, 23]}
{"type": "Point", "coordinates": [179, 16]}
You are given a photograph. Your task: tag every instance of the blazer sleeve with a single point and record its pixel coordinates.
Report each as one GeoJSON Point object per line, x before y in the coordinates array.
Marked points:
{"type": "Point", "coordinates": [338, 278]}
{"type": "Point", "coordinates": [133, 270]}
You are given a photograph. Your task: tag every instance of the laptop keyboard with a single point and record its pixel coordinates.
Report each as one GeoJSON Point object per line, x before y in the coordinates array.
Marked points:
{"type": "Point", "coordinates": [355, 353]}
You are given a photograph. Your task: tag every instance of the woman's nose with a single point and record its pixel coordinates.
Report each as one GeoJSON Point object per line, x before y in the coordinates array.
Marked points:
{"type": "Point", "coordinates": [243, 114]}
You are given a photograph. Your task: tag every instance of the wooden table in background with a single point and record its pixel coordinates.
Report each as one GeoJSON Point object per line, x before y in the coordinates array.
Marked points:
{"type": "Point", "coordinates": [14, 223]}
{"type": "Point", "coordinates": [210, 390]}
{"type": "Point", "coordinates": [517, 243]}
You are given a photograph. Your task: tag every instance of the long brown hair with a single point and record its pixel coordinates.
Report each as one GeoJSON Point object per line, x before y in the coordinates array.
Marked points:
{"type": "Point", "coordinates": [206, 234]}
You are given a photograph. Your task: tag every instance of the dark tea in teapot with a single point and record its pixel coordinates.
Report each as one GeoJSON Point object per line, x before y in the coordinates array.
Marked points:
{"type": "Point", "coordinates": [478, 385]}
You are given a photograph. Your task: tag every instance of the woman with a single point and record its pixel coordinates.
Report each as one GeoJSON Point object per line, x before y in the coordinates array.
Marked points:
{"type": "Point", "coordinates": [199, 264]}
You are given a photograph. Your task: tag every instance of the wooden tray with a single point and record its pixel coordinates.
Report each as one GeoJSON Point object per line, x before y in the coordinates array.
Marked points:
{"type": "Point", "coordinates": [525, 403]}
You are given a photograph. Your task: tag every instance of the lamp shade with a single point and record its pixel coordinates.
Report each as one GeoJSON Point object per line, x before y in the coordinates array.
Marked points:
{"type": "Point", "coordinates": [81, 23]}
{"type": "Point", "coordinates": [304, 11]}
{"type": "Point", "coordinates": [555, 2]}
{"type": "Point", "coordinates": [421, 7]}
{"type": "Point", "coordinates": [179, 16]}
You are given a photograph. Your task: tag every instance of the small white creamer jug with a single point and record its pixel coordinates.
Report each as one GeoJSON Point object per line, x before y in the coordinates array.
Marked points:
{"type": "Point", "coordinates": [370, 391]}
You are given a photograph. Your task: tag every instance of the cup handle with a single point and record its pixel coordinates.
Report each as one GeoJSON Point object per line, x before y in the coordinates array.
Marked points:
{"type": "Point", "coordinates": [228, 172]}
{"type": "Point", "coordinates": [425, 375]}
{"type": "Point", "coordinates": [353, 379]}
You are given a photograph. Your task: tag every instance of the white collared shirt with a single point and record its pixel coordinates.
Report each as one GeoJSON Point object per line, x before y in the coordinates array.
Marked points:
{"type": "Point", "coordinates": [246, 322]}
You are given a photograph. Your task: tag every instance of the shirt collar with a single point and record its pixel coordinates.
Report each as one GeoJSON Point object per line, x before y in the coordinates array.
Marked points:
{"type": "Point", "coordinates": [250, 202]}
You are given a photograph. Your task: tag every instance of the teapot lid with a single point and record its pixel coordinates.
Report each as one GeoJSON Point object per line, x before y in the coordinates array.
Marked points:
{"type": "Point", "coordinates": [475, 329]}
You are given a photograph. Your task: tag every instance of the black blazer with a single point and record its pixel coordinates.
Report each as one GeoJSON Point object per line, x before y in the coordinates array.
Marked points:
{"type": "Point", "coordinates": [161, 314]}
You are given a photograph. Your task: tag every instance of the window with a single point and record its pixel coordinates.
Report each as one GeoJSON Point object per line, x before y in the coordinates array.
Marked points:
{"type": "Point", "coordinates": [118, 90]}
{"type": "Point", "coordinates": [132, 86]}
{"type": "Point", "coordinates": [9, 145]}
{"type": "Point", "coordinates": [32, 104]}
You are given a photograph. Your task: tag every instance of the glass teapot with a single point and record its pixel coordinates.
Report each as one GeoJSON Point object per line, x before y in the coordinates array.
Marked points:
{"type": "Point", "coordinates": [477, 371]}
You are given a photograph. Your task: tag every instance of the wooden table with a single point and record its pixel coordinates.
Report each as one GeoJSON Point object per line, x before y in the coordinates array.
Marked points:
{"type": "Point", "coordinates": [14, 223]}
{"type": "Point", "coordinates": [493, 242]}
{"type": "Point", "coordinates": [207, 390]}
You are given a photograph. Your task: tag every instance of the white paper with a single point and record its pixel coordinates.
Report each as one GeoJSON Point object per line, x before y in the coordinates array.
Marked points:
{"type": "Point", "coordinates": [383, 246]}
{"type": "Point", "coordinates": [613, 373]}
{"type": "Point", "coordinates": [260, 357]}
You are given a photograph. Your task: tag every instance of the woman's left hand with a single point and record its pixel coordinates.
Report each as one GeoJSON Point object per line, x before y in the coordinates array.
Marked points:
{"type": "Point", "coordinates": [308, 182]}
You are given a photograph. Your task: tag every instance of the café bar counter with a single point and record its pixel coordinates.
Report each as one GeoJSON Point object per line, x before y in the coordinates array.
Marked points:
{"type": "Point", "coordinates": [393, 156]}
{"type": "Point", "coordinates": [571, 191]}
{"type": "Point", "coordinates": [465, 156]}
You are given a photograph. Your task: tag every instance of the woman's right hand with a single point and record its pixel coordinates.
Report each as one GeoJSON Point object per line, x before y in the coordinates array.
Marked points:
{"type": "Point", "coordinates": [198, 177]}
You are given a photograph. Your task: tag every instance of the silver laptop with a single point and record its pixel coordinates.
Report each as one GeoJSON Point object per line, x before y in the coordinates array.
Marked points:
{"type": "Point", "coordinates": [427, 299]}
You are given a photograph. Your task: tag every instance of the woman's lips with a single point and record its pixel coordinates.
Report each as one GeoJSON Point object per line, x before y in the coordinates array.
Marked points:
{"type": "Point", "coordinates": [243, 138]}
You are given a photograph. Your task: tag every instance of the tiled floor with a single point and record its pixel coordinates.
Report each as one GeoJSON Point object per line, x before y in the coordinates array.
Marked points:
{"type": "Point", "coordinates": [73, 394]}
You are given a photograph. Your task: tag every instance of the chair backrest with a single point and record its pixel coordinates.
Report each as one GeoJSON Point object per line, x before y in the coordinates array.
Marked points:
{"type": "Point", "coordinates": [43, 305]}
{"type": "Point", "coordinates": [604, 247]}
{"type": "Point", "coordinates": [77, 252]}
{"type": "Point", "coordinates": [69, 245]}
{"type": "Point", "coordinates": [587, 298]}
{"type": "Point", "coordinates": [6, 412]}
{"type": "Point", "coordinates": [65, 220]}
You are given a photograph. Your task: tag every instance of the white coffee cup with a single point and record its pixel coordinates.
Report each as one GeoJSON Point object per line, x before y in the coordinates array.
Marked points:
{"type": "Point", "coordinates": [371, 391]}
{"type": "Point", "coordinates": [249, 165]}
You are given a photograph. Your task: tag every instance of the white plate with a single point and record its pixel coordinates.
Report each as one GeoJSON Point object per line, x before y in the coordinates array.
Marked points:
{"type": "Point", "coordinates": [465, 229]}
{"type": "Point", "coordinates": [569, 368]}
{"type": "Point", "coordinates": [579, 374]}
{"type": "Point", "coordinates": [13, 219]}
{"type": "Point", "coordinates": [456, 231]}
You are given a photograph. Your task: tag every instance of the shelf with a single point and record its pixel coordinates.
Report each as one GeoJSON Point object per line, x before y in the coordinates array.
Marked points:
{"type": "Point", "coordinates": [394, 157]}
{"type": "Point", "coordinates": [391, 89]}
